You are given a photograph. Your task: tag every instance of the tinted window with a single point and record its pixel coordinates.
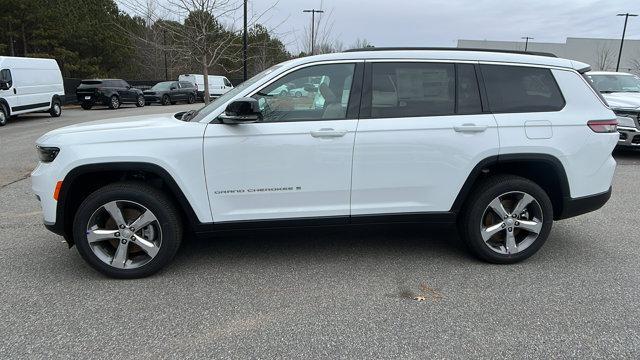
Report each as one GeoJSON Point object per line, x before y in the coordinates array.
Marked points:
{"type": "Point", "coordinates": [186, 84]}
{"type": "Point", "coordinates": [412, 89]}
{"type": "Point", "coordinates": [521, 89]}
{"type": "Point", "coordinates": [312, 93]}
{"type": "Point", "coordinates": [468, 93]}
{"type": "Point", "coordinates": [123, 83]}
{"type": "Point", "coordinates": [5, 75]}
{"type": "Point", "coordinates": [226, 82]}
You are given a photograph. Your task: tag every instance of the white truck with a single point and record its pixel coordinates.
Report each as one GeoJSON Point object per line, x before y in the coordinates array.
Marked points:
{"type": "Point", "coordinates": [29, 85]}
{"type": "Point", "coordinates": [218, 85]}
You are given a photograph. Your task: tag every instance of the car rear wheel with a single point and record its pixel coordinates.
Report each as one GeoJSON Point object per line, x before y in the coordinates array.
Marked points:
{"type": "Point", "coordinates": [507, 219]}
{"type": "Point", "coordinates": [140, 102]}
{"type": "Point", "coordinates": [87, 105]}
{"type": "Point", "coordinates": [4, 116]}
{"type": "Point", "coordinates": [56, 109]}
{"type": "Point", "coordinates": [166, 100]}
{"type": "Point", "coordinates": [191, 99]}
{"type": "Point", "coordinates": [114, 102]}
{"type": "Point", "coordinates": [127, 230]}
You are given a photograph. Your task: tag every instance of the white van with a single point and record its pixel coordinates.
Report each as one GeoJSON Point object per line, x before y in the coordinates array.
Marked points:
{"type": "Point", "coordinates": [29, 85]}
{"type": "Point", "coordinates": [218, 85]}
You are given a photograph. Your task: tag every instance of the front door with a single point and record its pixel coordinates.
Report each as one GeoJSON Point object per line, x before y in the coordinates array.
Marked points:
{"type": "Point", "coordinates": [422, 130]}
{"type": "Point", "coordinates": [296, 163]}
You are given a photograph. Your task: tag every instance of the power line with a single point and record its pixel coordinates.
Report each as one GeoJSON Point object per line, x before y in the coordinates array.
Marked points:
{"type": "Point", "coordinates": [313, 22]}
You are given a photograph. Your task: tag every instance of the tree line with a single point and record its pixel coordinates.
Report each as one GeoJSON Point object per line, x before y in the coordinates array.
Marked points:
{"type": "Point", "coordinates": [96, 38]}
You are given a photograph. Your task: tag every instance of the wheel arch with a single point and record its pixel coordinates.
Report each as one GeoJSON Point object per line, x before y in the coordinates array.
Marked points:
{"type": "Point", "coordinates": [6, 106]}
{"type": "Point", "coordinates": [545, 170]}
{"type": "Point", "coordinates": [84, 179]}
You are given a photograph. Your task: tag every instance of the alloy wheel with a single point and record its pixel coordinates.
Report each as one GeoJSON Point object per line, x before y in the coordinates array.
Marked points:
{"type": "Point", "coordinates": [115, 103]}
{"type": "Point", "coordinates": [124, 234]}
{"type": "Point", "coordinates": [511, 222]}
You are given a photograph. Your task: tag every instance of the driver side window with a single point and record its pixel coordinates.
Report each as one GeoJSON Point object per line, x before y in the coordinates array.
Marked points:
{"type": "Point", "coordinates": [319, 92]}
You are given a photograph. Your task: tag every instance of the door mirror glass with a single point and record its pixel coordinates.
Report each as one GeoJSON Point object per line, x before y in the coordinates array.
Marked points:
{"type": "Point", "coordinates": [243, 110]}
{"type": "Point", "coordinates": [173, 87]}
{"type": "Point", "coordinates": [4, 85]}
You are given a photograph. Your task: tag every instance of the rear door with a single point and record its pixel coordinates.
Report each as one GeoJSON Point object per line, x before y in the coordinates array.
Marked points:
{"type": "Point", "coordinates": [422, 130]}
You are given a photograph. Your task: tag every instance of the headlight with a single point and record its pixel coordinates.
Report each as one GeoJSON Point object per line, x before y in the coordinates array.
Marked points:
{"type": "Point", "coordinates": [626, 121]}
{"type": "Point", "coordinates": [47, 154]}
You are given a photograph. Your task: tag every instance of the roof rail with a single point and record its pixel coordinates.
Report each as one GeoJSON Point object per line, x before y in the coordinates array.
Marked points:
{"type": "Point", "coordinates": [452, 49]}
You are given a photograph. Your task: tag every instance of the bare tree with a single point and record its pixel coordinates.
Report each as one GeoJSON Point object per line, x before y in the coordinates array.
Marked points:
{"type": "Point", "coordinates": [604, 57]}
{"type": "Point", "coordinates": [361, 44]}
{"type": "Point", "coordinates": [208, 36]}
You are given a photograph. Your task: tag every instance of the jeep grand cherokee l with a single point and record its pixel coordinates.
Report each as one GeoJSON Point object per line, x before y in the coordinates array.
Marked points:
{"type": "Point", "coordinates": [108, 92]}
{"type": "Point", "coordinates": [501, 143]}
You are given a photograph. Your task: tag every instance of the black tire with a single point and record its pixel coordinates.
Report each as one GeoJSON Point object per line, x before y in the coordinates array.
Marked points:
{"type": "Point", "coordinates": [4, 115]}
{"type": "Point", "coordinates": [166, 100]}
{"type": "Point", "coordinates": [168, 220]}
{"type": "Point", "coordinates": [191, 99]}
{"type": "Point", "coordinates": [87, 105]}
{"type": "Point", "coordinates": [114, 102]}
{"type": "Point", "coordinates": [140, 102]}
{"type": "Point", "coordinates": [56, 108]}
{"type": "Point", "coordinates": [473, 216]}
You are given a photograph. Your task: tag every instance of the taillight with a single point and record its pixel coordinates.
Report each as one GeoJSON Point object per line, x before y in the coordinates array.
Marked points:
{"type": "Point", "coordinates": [603, 126]}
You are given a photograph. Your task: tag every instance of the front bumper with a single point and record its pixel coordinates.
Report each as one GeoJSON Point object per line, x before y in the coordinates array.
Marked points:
{"type": "Point", "coordinates": [628, 136]}
{"type": "Point", "coordinates": [151, 98]}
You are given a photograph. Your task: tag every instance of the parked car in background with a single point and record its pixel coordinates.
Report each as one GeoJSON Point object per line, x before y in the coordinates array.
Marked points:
{"type": "Point", "coordinates": [218, 85]}
{"type": "Point", "coordinates": [29, 85]}
{"type": "Point", "coordinates": [622, 93]}
{"type": "Point", "coordinates": [109, 92]}
{"type": "Point", "coordinates": [170, 92]}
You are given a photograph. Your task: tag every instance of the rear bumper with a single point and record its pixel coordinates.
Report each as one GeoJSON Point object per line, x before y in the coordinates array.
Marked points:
{"type": "Point", "coordinates": [577, 206]}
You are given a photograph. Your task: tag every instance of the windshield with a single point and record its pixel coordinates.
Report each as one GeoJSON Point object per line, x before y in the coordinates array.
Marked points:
{"type": "Point", "coordinates": [616, 83]}
{"type": "Point", "coordinates": [203, 112]}
{"type": "Point", "coordinates": [162, 86]}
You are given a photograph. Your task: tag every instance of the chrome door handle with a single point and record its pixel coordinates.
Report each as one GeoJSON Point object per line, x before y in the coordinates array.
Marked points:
{"type": "Point", "coordinates": [327, 133]}
{"type": "Point", "coordinates": [471, 128]}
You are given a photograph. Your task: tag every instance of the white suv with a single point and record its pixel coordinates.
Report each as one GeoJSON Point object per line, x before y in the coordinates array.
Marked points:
{"type": "Point", "coordinates": [503, 143]}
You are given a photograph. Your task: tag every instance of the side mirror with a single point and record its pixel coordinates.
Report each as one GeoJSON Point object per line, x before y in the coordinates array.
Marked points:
{"type": "Point", "coordinates": [243, 110]}
{"type": "Point", "coordinates": [310, 88]}
{"type": "Point", "coordinates": [4, 85]}
{"type": "Point", "coordinates": [172, 88]}
{"type": "Point", "coordinates": [179, 115]}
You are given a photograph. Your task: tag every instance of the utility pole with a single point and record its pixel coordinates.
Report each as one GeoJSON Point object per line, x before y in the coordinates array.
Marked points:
{"type": "Point", "coordinates": [313, 24]}
{"type": "Point", "coordinates": [624, 30]}
{"type": "Point", "coordinates": [526, 41]}
{"type": "Point", "coordinates": [244, 44]}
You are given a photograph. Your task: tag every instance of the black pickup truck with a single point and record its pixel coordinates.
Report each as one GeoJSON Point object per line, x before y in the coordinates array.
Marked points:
{"type": "Point", "coordinates": [109, 92]}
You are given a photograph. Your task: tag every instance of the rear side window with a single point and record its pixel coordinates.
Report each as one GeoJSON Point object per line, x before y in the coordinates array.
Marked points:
{"type": "Point", "coordinates": [521, 89]}
{"type": "Point", "coordinates": [186, 84]}
{"type": "Point", "coordinates": [412, 89]}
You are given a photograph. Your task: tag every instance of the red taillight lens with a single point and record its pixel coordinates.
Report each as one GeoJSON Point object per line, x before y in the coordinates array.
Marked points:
{"type": "Point", "coordinates": [603, 126]}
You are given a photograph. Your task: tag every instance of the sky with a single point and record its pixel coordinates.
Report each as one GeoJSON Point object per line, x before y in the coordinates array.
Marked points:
{"type": "Point", "coordinates": [443, 22]}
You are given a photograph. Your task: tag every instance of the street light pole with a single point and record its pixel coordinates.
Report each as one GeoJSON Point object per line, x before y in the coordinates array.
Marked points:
{"type": "Point", "coordinates": [624, 30]}
{"type": "Point", "coordinates": [244, 44]}
{"type": "Point", "coordinates": [313, 24]}
{"type": "Point", "coordinates": [526, 41]}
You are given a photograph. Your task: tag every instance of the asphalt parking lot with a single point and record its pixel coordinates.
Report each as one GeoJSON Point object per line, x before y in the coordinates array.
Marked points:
{"type": "Point", "coordinates": [330, 293]}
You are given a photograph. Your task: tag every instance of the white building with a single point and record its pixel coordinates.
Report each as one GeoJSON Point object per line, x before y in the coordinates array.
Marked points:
{"type": "Point", "coordinates": [601, 54]}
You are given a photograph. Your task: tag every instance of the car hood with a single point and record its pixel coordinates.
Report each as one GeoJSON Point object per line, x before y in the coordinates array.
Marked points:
{"type": "Point", "coordinates": [623, 100]}
{"type": "Point", "coordinates": [129, 128]}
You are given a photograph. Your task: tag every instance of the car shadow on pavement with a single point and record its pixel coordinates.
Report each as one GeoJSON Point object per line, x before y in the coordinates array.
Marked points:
{"type": "Point", "coordinates": [315, 244]}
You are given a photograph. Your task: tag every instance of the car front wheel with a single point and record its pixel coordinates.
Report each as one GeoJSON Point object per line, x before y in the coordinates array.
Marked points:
{"type": "Point", "coordinates": [3, 115]}
{"type": "Point", "coordinates": [140, 102]}
{"type": "Point", "coordinates": [507, 219]}
{"type": "Point", "coordinates": [127, 230]}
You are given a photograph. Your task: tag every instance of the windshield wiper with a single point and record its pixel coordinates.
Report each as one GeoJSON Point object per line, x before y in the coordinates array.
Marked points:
{"type": "Point", "coordinates": [263, 94]}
